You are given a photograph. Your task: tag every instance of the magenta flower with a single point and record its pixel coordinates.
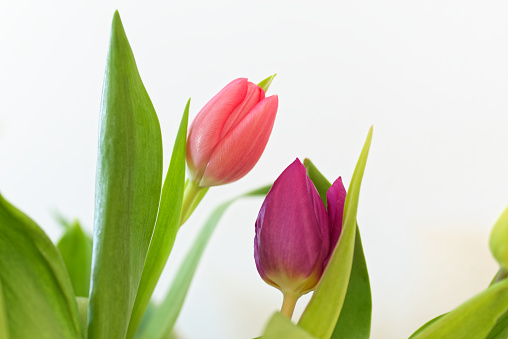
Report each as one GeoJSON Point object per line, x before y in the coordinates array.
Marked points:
{"type": "Point", "coordinates": [295, 235]}
{"type": "Point", "coordinates": [230, 133]}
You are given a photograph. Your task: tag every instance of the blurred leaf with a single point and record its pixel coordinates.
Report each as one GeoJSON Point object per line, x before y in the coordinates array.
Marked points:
{"type": "Point", "coordinates": [473, 319]}
{"type": "Point", "coordinates": [322, 312]}
{"type": "Point", "coordinates": [280, 327]}
{"type": "Point", "coordinates": [265, 84]}
{"type": "Point", "coordinates": [499, 239]}
{"type": "Point", "coordinates": [83, 311]}
{"type": "Point", "coordinates": [4, 330]}
{"type": "Point", "coordinates": [355, 317]}
{"type": "Point", "coordinates": [427, 324]}
{"type": "Point", "coordinates": [128, 188]}
{"type": "Point", "coordinates": [76, 250]}
{"type": "Point", "coordinates": [37, 293]}
{"type": "Point", "coordinates": [165, 315]}
{"type": "Point", "coordinates": [150, 310]}
{"type": "Point", "coordinates": [166, 227]}
{"type": "Point", "coordinates": [500, 330]}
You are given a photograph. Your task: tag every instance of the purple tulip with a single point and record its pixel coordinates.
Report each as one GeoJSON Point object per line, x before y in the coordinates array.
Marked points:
{"type": "Point", "coordinates": [295, 235]}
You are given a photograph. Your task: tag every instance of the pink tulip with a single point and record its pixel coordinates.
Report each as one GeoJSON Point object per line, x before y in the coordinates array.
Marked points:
{"type": "Point", "coordinates": [230, 133]}
{"type": "Point", "coordinates": [295, 235]}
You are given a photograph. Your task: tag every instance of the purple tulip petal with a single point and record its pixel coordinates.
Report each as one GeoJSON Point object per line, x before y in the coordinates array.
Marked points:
{"type": "Point", "coordinates": [290, 229]}
{"type": "Point", "coordinates": [335, 197]}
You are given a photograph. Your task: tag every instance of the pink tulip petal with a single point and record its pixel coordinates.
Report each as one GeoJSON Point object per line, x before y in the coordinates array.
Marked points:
{"type": "Point", "coordinates": [254, 95]}
{"type": "Point", "coordinates": [335, 197]}
{"type": "Point", "coordinates": [205, 131]}
{"type": "Point", "coordinates": [238, 152]}
{"type": "Point", "coordinates": [289, 235]}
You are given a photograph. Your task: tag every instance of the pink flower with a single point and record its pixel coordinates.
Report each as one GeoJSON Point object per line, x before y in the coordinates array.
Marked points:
{"type": "Point", "coordinates": [230, 133]}
{"type": "Point", "coordinates": [295, 235]}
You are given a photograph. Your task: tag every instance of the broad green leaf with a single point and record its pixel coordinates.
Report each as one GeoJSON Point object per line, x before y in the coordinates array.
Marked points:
{"type": "Point", "coordinates": [322, 312]}
{"type": "Point", "coordinates": [355, 317]}
{"type": "Point", "coordinates": [500, 330]}
{"type": "Point", "coordinates": [165, 315]}
{"type": "Point", "coordinates": [280, 327]}
{"type": "Point", "coordinates": [473, 319]}
{"type": "Point", "coordinates": [166, 227]}
{"type": "Point", "coordinates": [4, 330]}
{"type": "Point", "coordinates": [128, 188]}
{"type": "Point", "coordinates": [37, 293]}
{"type": "Point", "coordinates": [265, 84]}
{"type": "Point", "coordinates": [76, 250]}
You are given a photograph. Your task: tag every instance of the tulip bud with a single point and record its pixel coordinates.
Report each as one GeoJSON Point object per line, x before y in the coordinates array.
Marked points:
{"type": "Point", "coordinates": [295, 235]}
{"type": "Point", "coordinates": [499, 240]}
{"type": "Point", "coordinates": [230, 133]}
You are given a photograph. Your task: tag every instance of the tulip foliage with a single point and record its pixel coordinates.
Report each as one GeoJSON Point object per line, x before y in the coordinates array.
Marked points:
{"type": "Point", "coordinates": [307, 238]}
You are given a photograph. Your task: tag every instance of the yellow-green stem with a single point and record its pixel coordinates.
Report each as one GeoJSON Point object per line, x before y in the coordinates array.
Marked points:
{"type": "Point", "coordinates": [288, 304]}
{"type": "Point", "coordinates": [191, 197]}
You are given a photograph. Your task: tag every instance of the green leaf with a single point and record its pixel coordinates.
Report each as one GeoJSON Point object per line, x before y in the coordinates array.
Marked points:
{"type": "Point", "coordinates": [499, 239]}
{"type": "Point", "coordinates": [320, 182]}
{"type": "Point", "coordinates": [265, 84]}
{"type": "Point", "coordinates": [355, 317]}
{"type": "Point", "coordinates": [128, 188]}
{"type": "Point", "coordinates": [322, 312]}
{"type": "Point", "coordinates": [280, 327]}
{"type": "Point", "coordinates": [83, 311]}
{"type": "Point", "coordinates": [500, 330]}
{"type": "Point", "coordinates": [166, 227]}
{"type": "Point", "coordinates": [76, 250]}
{"type": "Point", "coordinates": [37, 293]}
{"type": "Point", "coordinates": [165, 315]}
{"type": "Point", "coordinates": [427, 324]}
{"type": "Point", "coordinates": [4, 330]}
{"type": "Point", "coordinates": [473, 319]}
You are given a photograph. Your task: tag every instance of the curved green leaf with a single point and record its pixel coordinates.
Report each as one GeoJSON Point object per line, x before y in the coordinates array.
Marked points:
{"type": "Point", "coordinates": [500, 330]}
{"type": "Point", "coordinates": [473, 319]}
{"type": "Point", "coordinates": [128, 187]}
{"type": "Point", "coordinates": [37, 293]}
{"type": "Point", "coordinates": [76, 250]}
{"type": "Point", "coordinates": [280, 327]}
{"type": "Point", "coordinates": [322, 312]}
{"type": "Point", "coordinates": [164, 317]}
{"type": "Point", "coordinates": [355, 316]}
{"type": "Point", "coordinates": [427, 324]}
{"type": "Point", "coordinates": [166, 227]}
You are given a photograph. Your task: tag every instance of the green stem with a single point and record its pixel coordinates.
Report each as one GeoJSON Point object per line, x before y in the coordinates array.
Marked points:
{"type": "Point", "coordinates": [192, 196]}
{"type": "Point", "coordinates": [288, 304]}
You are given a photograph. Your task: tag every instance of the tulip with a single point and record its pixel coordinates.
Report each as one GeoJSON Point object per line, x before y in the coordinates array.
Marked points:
{"type": "Point", "coordinates": [295, 235]}
{"type": "Point", "coordinates": [230, 133]}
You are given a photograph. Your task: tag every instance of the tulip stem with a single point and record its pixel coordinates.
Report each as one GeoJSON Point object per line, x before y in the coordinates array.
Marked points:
{"type": "Point", "coordinates": [288, 304]}
{"type": "Point", "coordinates": [192, 196]}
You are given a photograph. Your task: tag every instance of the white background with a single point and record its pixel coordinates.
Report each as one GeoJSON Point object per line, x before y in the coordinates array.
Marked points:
{"type": "Point", "coordinates": [431, 76]}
